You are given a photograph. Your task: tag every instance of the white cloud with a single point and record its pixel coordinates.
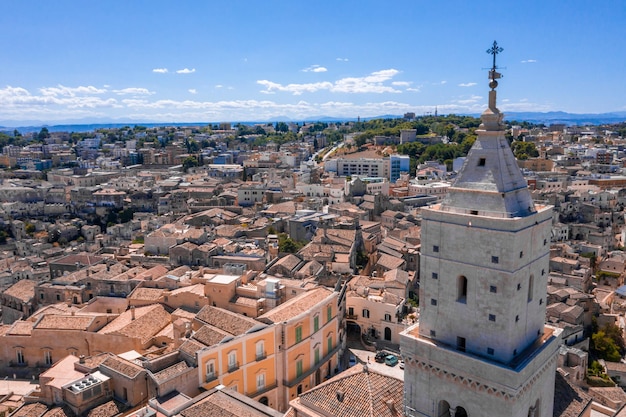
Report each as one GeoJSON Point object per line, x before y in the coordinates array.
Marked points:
{"type": "Point", "coordinates": [315, 68]}
{"type": "Point", "coordinates": [414, 90]}
{"type": "Point", "coordinates": [160, 70]}
{"type": "Point", "coordinates": [372, 83]}
{"type": "Point", "coordinates": [136, 91]}
{"type": "Point", "coordinates": [219, 86]}
{"type": "Point", "coordinates": [193, 91]}
{"type": "Point", "coordinates": [342, 59]}
{"type": "Point", "coordinates": [467, 84]}
{"type": "Point", "coordinates": [401, 83]}
{"type": "Point", "coordinates": [62, 90]}
{"type": "Point", "coordinates": [186, 71]}
{"type": "Point", "coordinates": [529, 61]}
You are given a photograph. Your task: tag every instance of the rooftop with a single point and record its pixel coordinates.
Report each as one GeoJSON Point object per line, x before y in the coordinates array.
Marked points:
{"type": "Point", "coordinates": [298, 305]}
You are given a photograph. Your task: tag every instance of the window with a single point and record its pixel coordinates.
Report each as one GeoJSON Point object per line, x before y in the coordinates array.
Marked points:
{"type": "Point", "coordinates": [260, 349]}
{"type": "Point", "coordinates": [210, 370]}
{"type": "Point", "coordinates": [366, 313]}
{"type": "Point", "coordinates": [495, 260]}
{"type": "Point", "coordinates": [490, 351]}
{"type": "Point", "coordinates": [435, 248]}
{"type": "Point", "coordinates": [481, 162]}
{"type": "Point", "coordinates": [260, 381]}
{"type": "Point", "coordinates": [317, 355]}
{"type": "Point", "coordinates": [41, 296]}
{"type": "Point", "coordinates": [474, 213]}
{"type": "Point", "coordinates": [20, 357]}
{"type": "Point", "coordinates": [461, 295]}
{"type": "Point", "coordinates": [58, 297]}
{"type": "Point", "coordinates": [545, 241]}
{"type": "Point", "coordinates": [433, 333]}
{"type": "Point", "coordinates": [387, 317]}
{"type": "Point", "coordinates": [516, 319]}
{"type": "Point", "coordinates": [232, 360]}
{"type": "Point", "coordinates": [316, 323]}
{"type": "Point", "coordinates": [493, 289]}
{"type": "Point", "coordinates": [460, 343]}
{"type": "Point", "coordinates": [530, 288]}
{"type": "Point", "coordinates": [329, 344]}
{"type": "Point", "coordinates": [435, 275]}
{"type": "Point", "coordinates": [543, 272]}
{"type": "Point", "coordinates": [521, 254]}
{"type": "Point", "coordinates": [47, 356]}
{"type": "Point", "coordinates": [329, 313]}
{"type": "Point", "coordinates": [492, 317]}
{"type": "Point", "coordinates": [519, 286]}
{"type": "Point", "coordinates": [298, 368]}
{"type": "Point", "coordinates": [433, 302]}
{"type": "Point", "coordinates": [298, 334]}
{"type": "Point", "coordinates": [540, 301]}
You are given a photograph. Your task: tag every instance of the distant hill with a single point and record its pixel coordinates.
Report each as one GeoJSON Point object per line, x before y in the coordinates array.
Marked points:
{"type": "Point", "coordinates": [556, 117]}
{"type": "Point", "coordinates": [547, 118]}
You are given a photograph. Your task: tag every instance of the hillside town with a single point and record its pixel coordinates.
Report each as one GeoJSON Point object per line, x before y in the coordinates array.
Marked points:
{"type": "Point", "coordinates": [262, 270]}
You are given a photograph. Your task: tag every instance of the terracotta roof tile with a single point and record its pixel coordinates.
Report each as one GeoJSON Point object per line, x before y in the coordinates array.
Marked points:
{"type": "Point", "coordinates": [225, 320]}
{"type": "Point", "coordinates": [64, 322]}
{"type": "Point", "coordinates": [30, 410]}
{"type": "Point", "coordinates": [23, 290]}
{"type": "Point", "coordinates": [122, 366]}
{"type": "Point", "coordinates": [191, 346]}
{"type": "Point", "coordinates": [21, 328]}
{"type": "Point", "coordinates": [108, 409]}
{"type": "Point", "coordinates": [364, 393]}
{"type": "Point", "coordinates": [60, 412]}
{"type": "Point", "coordinates": [298, 305]}
{"type": "Point", "coordinates": [219, 404]}
{"type": "Point", "coordinates": [151, 294]}
{"type": "Point", "coordinates": [170, 372]}
{"type": "Point", "coordinates": [569, 400]}
{"type": "Point", "coordinates": [149, 320]}
{"type": "Point", "coordinates": [209, 335]}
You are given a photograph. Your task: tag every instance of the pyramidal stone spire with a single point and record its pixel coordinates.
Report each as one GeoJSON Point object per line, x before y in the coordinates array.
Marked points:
{"type": "Point", "coordinates": [490, 182]}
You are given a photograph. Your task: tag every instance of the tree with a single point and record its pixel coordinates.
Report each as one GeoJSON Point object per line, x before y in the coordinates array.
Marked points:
{"type": "Point", "coordinates": [524, 150]}
{"type": "Point", "coordinates": [287, 244]}
{"type": "Point", "coordinates": [605, 347]}
{"type": "Point", "coordinates": [282, 127]}
{"type": "Point", "coordinates": [189, 162]}
{"type": "Point", "coordinates": [43, 133]}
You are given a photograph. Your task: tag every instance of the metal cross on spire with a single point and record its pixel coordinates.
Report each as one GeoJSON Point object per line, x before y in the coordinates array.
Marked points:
{"type": "Point", "coordinates": [493, 74]}
{"type": "Point", "coordinates": [494, 50]}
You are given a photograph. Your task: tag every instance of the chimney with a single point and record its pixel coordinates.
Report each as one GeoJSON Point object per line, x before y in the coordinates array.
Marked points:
{"type": "Point", "coordinates": [340, 395]}
{"type": "Point", "coordinates": [132, 312]}
{"type": "Point", "coordinates": [81, 359]}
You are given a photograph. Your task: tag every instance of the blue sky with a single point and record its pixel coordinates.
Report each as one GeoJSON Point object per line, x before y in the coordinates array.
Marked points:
{"type": "Point", "coordinates": [211, 61]}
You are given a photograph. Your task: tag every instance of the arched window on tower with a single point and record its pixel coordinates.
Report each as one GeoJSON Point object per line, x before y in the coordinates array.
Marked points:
{"type": "Point", "coordinates": [531, 282]}
{"type": "Point", "coordinates": [462, 289]}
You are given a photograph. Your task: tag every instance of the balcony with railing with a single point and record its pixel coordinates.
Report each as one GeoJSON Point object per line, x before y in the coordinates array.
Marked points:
{"type": "Point", "coordinates": [260, 356]}
{"type": "Point", "coordinates": [233, 366]}
{"type": "Point", "coordinates": [310, 371]}
{"type": "Point", "coordinates": [211, 377]}
{"type": "Point", "coordinates": [261, 391]}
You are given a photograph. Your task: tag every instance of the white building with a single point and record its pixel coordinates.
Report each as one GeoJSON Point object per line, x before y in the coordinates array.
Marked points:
{"type": "Point", "coordinates": [481, 346]}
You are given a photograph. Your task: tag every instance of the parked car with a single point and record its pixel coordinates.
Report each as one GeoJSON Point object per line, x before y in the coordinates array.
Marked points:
{"type": "Point", "coordinates": [380, 356]}
{"type": "Point", "coordinates": [391, 360]}
{"type": "Point", "coordinates": [401, 364]}
{"type": "Point", "coordinates": [351, 361]}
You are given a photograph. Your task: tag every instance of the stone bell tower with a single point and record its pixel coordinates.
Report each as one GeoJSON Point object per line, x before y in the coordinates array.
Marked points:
{"type": "Point", "coordinates": [481, 346]}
